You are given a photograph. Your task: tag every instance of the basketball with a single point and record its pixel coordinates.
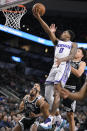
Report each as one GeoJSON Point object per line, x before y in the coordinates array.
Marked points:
{"type": "Point", "coordinates": [41, 7]}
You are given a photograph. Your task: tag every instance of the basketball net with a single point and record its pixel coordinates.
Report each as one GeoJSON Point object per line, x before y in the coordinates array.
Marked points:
{"type": "Point", "coordinates": [13, 16]}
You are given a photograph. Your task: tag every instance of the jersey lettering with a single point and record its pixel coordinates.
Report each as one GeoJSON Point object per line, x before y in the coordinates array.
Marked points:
{"type": "Point", "coordinates": [61, 50]}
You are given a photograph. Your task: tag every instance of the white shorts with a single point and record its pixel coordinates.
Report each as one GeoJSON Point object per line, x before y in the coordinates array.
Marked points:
{"type": "Point", "coordinates": [59, 74]}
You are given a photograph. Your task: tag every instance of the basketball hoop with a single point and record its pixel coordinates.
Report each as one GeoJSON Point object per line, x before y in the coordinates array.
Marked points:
{"type": "Point", "coordinates": [13, 16]}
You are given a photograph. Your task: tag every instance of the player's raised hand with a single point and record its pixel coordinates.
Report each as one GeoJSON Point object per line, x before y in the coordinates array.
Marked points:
{"type": "Point", "coordinates": [65, 93]}
{"type": "Point", "coordinates": [53, 28]}
{"type": "Point", "coordinates": [36, 12]}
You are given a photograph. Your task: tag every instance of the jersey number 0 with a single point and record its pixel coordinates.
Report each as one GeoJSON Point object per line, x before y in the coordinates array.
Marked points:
{"type": "Point", "coordinates": [61, 50]}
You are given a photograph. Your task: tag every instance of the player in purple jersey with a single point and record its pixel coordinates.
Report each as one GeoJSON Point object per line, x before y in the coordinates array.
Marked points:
{"type": "Point", "coordinates": [65, 51]}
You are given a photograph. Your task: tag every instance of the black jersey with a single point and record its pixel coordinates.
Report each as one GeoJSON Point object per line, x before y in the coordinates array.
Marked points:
{"type": "Point", "coordinates": [74, 80]}
{"type": "Point", "coordinates": [30, 106]}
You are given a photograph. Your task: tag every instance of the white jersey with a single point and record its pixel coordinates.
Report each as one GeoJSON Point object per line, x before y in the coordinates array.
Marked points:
{"type": "Point", "coordinates": [62, 50]}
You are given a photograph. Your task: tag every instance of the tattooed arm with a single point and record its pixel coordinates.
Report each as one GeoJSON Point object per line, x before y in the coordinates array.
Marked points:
{"type": "Point", "coordinates": [72, 53]}
{"type": "Point", "coordinates": [70, 57]}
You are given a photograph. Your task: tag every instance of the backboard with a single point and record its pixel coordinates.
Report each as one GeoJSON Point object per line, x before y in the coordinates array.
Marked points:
{"type": "Point", "coordinates": [10, 3]}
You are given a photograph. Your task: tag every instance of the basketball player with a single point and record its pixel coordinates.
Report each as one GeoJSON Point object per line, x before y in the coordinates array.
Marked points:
{"type": "Point", "coordinates": [74, 83]}
{"type": "Point", "coordinates": [33, 104]}
{"type": "Point", "coordinates": [65, 51]}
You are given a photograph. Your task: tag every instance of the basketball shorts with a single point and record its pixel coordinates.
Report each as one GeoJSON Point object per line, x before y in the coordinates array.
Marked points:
{"type": "Point", "coordinates": [26, 123]}
{"type": "Point", "coordinates": [59, 74]}
{"type": "Point", "coordinates": [69, 105]}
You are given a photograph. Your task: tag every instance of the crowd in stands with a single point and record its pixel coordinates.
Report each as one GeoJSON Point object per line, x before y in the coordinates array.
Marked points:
{"type": "Point", "coordinates": [7, 117]}
{"type": "Point", "coordinates": [19, 83]}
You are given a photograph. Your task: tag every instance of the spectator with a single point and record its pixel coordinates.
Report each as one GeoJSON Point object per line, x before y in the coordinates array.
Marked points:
{"type": "Point", "coordinates": [4, 123]}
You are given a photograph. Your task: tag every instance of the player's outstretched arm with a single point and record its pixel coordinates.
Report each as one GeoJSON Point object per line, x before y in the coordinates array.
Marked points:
{"type": "Point", "coordinates": [45, 26]}
{"type": "Point", "coordinates": [75, 96]}
{"type": "Point", "coordinates": [81, 94]}
{"type": "Point", "coordinates": [78, 72]}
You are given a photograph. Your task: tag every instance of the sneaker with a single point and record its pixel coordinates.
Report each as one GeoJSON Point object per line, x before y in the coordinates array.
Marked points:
{"type": "Point", "coordinates": [48, 123]}
{"type": "Point", "coordinates": [58, 119]}
{"type": "Point", "coordinates": [59, 126]}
